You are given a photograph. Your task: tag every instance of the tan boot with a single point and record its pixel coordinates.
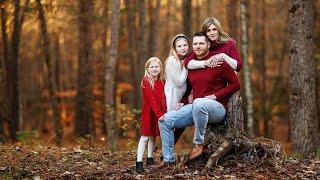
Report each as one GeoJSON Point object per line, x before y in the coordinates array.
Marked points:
{"type": "Point", "coordinates": [196, 151]}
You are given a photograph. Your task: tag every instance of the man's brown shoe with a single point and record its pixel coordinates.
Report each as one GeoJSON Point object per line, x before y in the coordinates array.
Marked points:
{"type": "Point", "coordinates": [196, 151]}
{"type": "Point", "coordinates": [164, 165]}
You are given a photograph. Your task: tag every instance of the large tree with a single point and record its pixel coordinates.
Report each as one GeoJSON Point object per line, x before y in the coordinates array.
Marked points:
{"type": "Point", "coordinates": [52, 85]}
{"type": "Point", "coordinates": [130, 10]}
{"type": "Point", "coordinates": [11, 56]}
{"type": "Point", "coordinates": [302, 97]}
{"type": "Point", "coordinates": [109, 77]}
{"type": "Point", "coordinates": [84, 93]}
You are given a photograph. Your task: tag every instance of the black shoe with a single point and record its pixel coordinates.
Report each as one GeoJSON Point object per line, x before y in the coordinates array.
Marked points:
{"type": "Point", "coordinates": [139, 167]}
{"type": "Point", "coordinates": [150, 161]}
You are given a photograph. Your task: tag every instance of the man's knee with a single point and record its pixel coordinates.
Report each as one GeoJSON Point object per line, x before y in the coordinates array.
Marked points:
{"type": "Point", "coordinates": [164, 125]}
{"type": "Point", "coordinates": [199, 105]}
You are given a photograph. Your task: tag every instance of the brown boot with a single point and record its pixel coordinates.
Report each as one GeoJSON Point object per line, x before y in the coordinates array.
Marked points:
{"type": "Point", "coordinates": [164, 165]}
{"type": "Point", "coordinates": [196, 151]}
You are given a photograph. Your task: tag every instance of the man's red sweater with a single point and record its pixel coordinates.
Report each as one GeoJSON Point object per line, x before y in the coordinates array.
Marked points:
{"type": "Point", "coordinates": [220, 81]}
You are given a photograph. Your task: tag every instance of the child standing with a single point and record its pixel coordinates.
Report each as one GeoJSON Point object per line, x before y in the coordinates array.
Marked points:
{"type": "Point", "coordinates": [153, 109]}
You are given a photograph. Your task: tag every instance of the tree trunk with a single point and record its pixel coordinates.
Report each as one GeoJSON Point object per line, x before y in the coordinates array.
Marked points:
{"type": "Point", "coordinates": [154, 26]}
{"type": "Point", "coordinates": [133, 52]}
{"type": "Point", "coordinates": [4, 101]}
{"type": "Point", "coordinates": [264, 96]}
{"type": "Point", "coordinates": [186, 4]}
{"type": "Point", "coordinates": [13, 80]}
{"type": "Point", "coordinates": [209, 8]}
{"type": "Point", "coordinates": [166, 39]}
{"type": "Point", "coordinates": [233, 19]}
{"type": "Point", "coordinates": [110, 74]}
{"type": "Point", "coordinates": [51, 76]}
{"type": "Point", "coordinates": [84, 94]}
{"type": "Point", "coordinates": [303, 116]}
{"type": "Point", "coordinates": [142, 56]}
{"type": "Point", "coordinates": [104, 56]}
{"type": "Point", "coordinates": [246, 68]}
{"type": "Point", "coordinates": [228, 138]}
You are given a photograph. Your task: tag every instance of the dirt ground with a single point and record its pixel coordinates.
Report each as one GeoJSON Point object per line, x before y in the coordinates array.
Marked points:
{"type": "Point", "coordinates": [44, 162]}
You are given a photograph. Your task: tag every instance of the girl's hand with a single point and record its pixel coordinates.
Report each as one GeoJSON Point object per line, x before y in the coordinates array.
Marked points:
{"type": "Point", "coordinates": [161, 118]}
{"type": "Point", "coordinates": [178, 106]}
{"type": "Point", "coordinates": [213, 97]}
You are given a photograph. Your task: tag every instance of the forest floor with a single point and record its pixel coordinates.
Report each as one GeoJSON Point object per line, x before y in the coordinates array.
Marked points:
{"type": "Point", "coordinates": [44, 162]}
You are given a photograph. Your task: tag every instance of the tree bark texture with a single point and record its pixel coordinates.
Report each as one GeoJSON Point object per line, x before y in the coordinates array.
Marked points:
{"type": "Point", "coordinates": [110, 70]}
{"type": "Point", "coordinates": [187, 16]}
{"type": "Point", "coordinates": [84, 94]}
{"type": "Point", "coordinates": [303, 116]}
{"type": "Point", "coordinates": [13, 80]}
{"type": "Point", "coordinates": [246, 68]}
{"type": "Point", "coordinates": [154, 25]}
{"type": "Point", "coordinates": [233, 19]}
{"type": "Point", "coordinates": [133, 55]}
{"type": "Point", "coordinates": [52, 86]}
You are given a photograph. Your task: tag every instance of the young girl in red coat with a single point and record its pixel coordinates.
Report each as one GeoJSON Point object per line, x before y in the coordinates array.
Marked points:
{"type": "Point", "coordinates": [153, 109]}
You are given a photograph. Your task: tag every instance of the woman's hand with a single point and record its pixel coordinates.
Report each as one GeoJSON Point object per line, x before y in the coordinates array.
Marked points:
{"type": "Point", "coordinates": [216, 60]}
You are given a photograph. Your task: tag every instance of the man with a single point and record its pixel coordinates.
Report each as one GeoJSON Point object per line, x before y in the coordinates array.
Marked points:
{"type": "Point", "coordinates": [211, 88]}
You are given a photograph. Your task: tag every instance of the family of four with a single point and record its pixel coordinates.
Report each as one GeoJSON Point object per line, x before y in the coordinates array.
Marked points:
{"type": "Point", "coordinates": [193, 89]}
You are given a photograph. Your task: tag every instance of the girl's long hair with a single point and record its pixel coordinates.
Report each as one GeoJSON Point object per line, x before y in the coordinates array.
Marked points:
{"type": "Point", "coordinates": [223, 36]}
{"type": "Point", "coordinates": [173, 51]}
{"type": "Point", "coordinates": [148, 76]}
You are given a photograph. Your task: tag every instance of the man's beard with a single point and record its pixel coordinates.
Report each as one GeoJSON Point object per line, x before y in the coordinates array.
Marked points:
{"type": "Point", "coordinates": [202, 54]}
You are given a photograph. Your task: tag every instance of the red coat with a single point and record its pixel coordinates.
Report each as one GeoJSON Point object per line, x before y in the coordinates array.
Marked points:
{"type": "Point", "coordinates": [153, 107]}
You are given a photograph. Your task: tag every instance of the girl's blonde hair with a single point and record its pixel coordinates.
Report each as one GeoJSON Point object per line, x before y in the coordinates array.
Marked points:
{"type": "Point", "coordinates": [223, 36]}
{"type": "Point", "coordinates": [173, 51]}
{"type": "Point", "coordinates": [147, 75]}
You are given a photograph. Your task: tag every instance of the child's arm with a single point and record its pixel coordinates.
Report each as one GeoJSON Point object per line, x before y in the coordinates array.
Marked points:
{"type": "Point", "coordinates": [175, 71]}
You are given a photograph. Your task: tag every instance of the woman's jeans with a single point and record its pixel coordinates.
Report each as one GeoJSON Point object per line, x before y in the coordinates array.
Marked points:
{"type": "Point", "coordinates": [199, 113]}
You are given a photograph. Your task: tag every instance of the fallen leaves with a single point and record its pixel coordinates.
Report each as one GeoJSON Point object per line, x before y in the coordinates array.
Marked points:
{"type": "Point", "coordinates": [19, 162]}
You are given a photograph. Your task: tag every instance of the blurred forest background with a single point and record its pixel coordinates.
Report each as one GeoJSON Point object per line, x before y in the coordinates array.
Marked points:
{"type": "Point", "coordinates": [70, 71]}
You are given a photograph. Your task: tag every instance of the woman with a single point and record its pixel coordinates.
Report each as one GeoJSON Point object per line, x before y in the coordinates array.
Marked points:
{"type": "Point", "coordinates": [222, 45]}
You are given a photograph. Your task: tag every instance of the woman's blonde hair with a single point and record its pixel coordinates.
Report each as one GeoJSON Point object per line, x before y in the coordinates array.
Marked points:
{"type": "Point", "coordinates": [147, 75]}
{"type": "Point", "coordinates": [173, 51]}
{"type": "Point", "coordinates": [223, 36]}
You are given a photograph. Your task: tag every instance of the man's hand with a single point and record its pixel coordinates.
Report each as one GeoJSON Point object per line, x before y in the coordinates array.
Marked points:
{"type": "Point", "coordinates": [161, 118]}
{"type": "Point", "coordinates": [213, 97]}
{"type": "Point", "coordinates": [178, 106]}
{"type": "Point", "coordinates": [190, 97]}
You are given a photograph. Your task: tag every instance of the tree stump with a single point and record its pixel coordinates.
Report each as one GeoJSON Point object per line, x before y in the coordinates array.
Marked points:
{"type": "Point", "coordinates": [229, 138]}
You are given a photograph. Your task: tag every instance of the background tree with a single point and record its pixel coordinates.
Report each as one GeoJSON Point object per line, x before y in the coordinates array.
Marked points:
{"type": "Point", "coordinates": [110, 74]}
{"type": "Point", "coordinates": [12, 66]}
{"type": "Point", "coordinates": [187, 14]}
{"type": "Point", "coordinates": [302, 98]}
{"type": "Point", "coordinates": [246, 68]}
{"type": "Point", "coordinates": [84, 94]}
{"type": "Point", "coordinates": [52, 86]}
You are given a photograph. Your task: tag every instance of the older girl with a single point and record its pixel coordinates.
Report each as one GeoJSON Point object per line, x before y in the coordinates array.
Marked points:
{"type": "Point", "coordinates": [175, 72]}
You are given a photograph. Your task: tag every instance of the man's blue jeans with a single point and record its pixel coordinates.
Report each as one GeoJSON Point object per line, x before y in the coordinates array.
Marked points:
{"type": "Point", "coordinates": [199, 113]}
